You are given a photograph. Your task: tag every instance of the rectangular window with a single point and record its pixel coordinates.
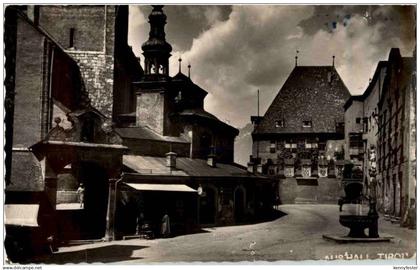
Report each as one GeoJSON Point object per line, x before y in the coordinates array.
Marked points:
{"type": "Point", "coordinates": [357, 120]}
{"type": "Point", "coordinates": [272, 146]}
{"type": "Point", "coordinates": [307, 123]}
{"type": "Point", "coordinates": [365, 124]}
{"type": "Point", "coordinates": [71, 39]}
{"type": "Point", "coordinates": [294, 145]}
{"type": "Point", "coordinates": [287, 145]}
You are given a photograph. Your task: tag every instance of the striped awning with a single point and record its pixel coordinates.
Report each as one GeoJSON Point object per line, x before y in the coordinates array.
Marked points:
{"type": "Point", "coordinates": [162, 187]}
{"type": "Point", "coordinates": [21, 214]}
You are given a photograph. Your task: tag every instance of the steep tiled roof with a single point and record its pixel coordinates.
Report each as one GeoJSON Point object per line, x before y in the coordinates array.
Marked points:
{"type": "Point", "coordinates": [201, 114]}
{"type": "Point", "coordinates": [311, 93]}
{"type": "Point", "coordinates": [182, 78]}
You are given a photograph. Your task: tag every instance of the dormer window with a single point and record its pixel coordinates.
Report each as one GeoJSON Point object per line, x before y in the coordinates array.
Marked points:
{"type": "Point", "coordinates": [280, 123]}
{"type": "Point", "coordinates": [329, 77]}
{"type": "Point", "coordinates": [307, 124]}
{"type": "Point", "coordinates": [88, 130]}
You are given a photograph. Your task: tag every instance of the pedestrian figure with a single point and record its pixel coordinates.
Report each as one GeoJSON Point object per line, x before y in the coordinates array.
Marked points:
{"type": "Point", "coordinates": [81, 193]}
{"type": "Point", "coordinates": [166, 226]}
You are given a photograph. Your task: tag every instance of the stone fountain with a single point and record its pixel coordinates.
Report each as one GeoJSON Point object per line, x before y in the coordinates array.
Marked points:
{"type": "Point", "coordinates": [357, 211]}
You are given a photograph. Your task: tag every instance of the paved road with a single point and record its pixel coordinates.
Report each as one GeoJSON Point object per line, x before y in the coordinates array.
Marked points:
{"type": "Point", "coordinates": [295, 236]}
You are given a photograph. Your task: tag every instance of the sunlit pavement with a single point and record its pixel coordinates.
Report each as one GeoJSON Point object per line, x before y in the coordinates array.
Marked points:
{"type": "Point", "coordinates": [295, 236]}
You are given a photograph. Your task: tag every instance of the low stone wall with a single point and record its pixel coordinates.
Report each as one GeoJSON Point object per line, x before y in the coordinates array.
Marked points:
{"type": "Point", "coordinates": [320, 190]}
{"type": "Point", "coordinates": [67, 196]}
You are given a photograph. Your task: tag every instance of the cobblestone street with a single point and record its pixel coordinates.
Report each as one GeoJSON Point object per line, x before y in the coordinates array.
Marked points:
{"type": "Point", "coordinates": [294, 236]}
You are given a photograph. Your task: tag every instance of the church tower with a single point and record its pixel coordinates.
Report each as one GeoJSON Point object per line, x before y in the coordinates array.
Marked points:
{"type": "Point", "coordinates": [154, 100]}
{"type": "Point", "coordinates": [156, 50]}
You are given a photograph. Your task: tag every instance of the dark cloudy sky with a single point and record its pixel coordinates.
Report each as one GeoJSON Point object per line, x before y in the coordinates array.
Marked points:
{"type": "Point", "coordinates": [235, 50]}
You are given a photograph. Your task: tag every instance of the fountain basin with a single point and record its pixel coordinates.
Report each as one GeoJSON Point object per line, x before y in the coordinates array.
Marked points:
{"type": "Point", "coordinates": [357, 224]}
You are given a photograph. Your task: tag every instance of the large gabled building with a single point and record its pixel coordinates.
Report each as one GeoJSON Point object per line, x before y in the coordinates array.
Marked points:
{"type": "Point", "coordinates": [299, 139]}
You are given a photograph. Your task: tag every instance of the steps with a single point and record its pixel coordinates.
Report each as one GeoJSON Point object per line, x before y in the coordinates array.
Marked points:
{"type": "Point", "coordinates": [301, 200]}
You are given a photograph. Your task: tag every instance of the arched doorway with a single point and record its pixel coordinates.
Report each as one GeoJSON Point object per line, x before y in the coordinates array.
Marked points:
{"type": "Point", "coordinates": [95, 180]}
{"type": "Point", "coordinates": [240, 201]}
{"type": "Point", "coordinates": [208, 206]}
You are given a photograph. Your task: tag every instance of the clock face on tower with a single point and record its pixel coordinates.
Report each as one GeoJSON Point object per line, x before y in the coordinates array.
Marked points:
{"type": "Point", "coordinates": [150, 100]}
{"type": "Point", "coordinates": [150, 110]}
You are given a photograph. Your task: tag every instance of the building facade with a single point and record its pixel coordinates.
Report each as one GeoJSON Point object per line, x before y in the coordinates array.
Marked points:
{"type": "Point", "coordinates": [396, 138]}
{"type": "Point", "coordinates": [387, 114]}
{"type": "Point", "coordinates": [96, 38]}
{"type": "Point", "coordinates": [361, 127]}
{"type": "Point", "coordinates": [300, 138]}
{"type": "Point", "coordinates": [55, 141]}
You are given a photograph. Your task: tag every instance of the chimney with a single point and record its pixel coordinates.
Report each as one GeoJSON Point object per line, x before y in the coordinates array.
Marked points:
{"type": "Point", "coordinates": [211, 158]}
{"type": "Point", "coordinates": [260, 168]}
{"type": "Point", "coordinates": [250, 167]}
{"type": "Point", "coordinates": [171, 160]}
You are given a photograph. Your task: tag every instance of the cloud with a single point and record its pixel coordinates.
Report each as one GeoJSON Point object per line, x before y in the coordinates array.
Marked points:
{"type": "Point", "coordinates": [253, 47]}
{"type": "Point", "coordinates": [138, 27]}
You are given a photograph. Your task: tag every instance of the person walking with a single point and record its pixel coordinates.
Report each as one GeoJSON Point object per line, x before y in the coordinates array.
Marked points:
{"type": "Point", "coordinates": [166, 225]}
{"type": "Point", "coordinates": [81, 193]}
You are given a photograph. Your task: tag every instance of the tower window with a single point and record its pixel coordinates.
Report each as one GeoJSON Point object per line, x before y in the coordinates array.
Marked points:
{"type": "Point", "coordinates": [358, 120]}
{"type": "Point", "coordinates": [307, 123]}
{"type": "Point", "coordinates": [71, 39]}
{"type": "Point", "coordinates": [154, 69]}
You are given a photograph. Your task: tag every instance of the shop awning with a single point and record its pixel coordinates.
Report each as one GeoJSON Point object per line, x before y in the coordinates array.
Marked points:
{"type": "Point", "coordinates": [21, 214]}
{"type": "Point", "coordinates": [162, 187]}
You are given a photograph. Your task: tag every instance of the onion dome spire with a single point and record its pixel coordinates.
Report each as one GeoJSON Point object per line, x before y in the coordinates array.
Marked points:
{"type": "Point", "coordinates": [156, 50]}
